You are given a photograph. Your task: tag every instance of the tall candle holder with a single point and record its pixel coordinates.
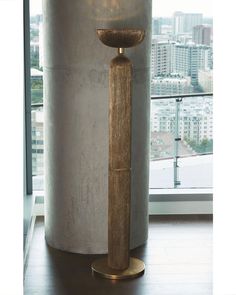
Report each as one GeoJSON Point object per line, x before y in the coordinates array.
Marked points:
{"type": "Point", "coordinates": [118, 264]}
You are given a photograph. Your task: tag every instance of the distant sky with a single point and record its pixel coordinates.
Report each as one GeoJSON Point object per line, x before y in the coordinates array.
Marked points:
{"type": "Point", "coordinates": [168, 7]}
{"type": "Point", "coordinates": [35, 7]}
{"type": "Point", "coordinates": [159, 7]}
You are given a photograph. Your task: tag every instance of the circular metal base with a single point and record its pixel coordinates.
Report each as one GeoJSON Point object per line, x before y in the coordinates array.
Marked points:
{"type": "Point", "coordinates": [135, 269]}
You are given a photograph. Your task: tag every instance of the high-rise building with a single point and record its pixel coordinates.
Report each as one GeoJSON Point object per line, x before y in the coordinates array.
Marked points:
{"type": "Point", "coordinates": [166, 29]}
{"type": "Point", "coordinates": [173, 84]}
{"type": "Point", "coordinates": [161, 24]}
{"type": "Point", "coordinates": [182, 59]}
{"type": "Point", "coordinates": [184, 22]}
{"type": "Point", "coordinates": [162, 56]}
{"type": "Point", "coordinates": [191, 20]}
{"type": "Point", "coordinates": [202, 34]}
{"type": "Point", "coordinates": [184, 38]}
{"type": "Point", "coordinates": [37, 142]}
{"type": "Point", "coordinates": [162, 37]}
{"type": "Point", "coordinates": [195, 118]}
{"type": "Point", "coordinates": [190, 58]}
{"type": "Point", "coordinates": [178, 22]}
{"type": "Point", "coordinates": [156, 26]}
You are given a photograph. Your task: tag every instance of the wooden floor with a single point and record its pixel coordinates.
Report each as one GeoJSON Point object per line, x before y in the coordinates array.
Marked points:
{"type": "Point", "coordinates": [178, 258]}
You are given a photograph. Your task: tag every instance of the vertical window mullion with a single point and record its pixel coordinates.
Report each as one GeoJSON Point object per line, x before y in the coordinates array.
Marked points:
{"type": "Point", "coordinates": [27, 95]}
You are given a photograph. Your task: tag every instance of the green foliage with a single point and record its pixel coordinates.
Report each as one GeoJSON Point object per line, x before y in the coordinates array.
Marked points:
{"type": "Point", "coordinates": [204, 146]}
{"type": "Point", "coordinates": [34, 34]}
{"type": "Point", "coordinates": [36, 84]}
{"type": "Point", "coordinates": [36, 90]}
{"type": "Point", "coordinates": [36, 96]}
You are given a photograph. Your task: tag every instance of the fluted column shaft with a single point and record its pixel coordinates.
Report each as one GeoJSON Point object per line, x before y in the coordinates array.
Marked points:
{"type": "Point", "coordinates": [119, 162]}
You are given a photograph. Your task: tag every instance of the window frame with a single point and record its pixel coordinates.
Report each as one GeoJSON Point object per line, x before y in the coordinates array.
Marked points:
{"type": "Point", "coordinates": [27, 97]}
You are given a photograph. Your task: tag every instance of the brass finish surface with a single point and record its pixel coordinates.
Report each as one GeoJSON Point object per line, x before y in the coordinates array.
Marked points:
{"type": "Point", "coordinates": [119, 219]}
{"type": "Point", "coordinates": [118, 264]}
{"type": "Point", "coordinates": [120, 113]}
{"type": "Point", "coordinates": [121, 38]}
{"type": "Point", "coordinates": [135, 269]}
{"type": "Point", "coordinates": [119, 183]}
{"type": "Point", "coordinates": [121, 50]}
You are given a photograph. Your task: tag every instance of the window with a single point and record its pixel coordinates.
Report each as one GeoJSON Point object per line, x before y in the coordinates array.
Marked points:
{"type": "Point", "coordinates": [36, 71]}
{"type": "Point", "coordinates": [181, 60]}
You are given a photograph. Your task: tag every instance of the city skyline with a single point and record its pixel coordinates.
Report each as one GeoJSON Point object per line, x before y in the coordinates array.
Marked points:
{"type": "Point", "coordinates": [166, 8]}
{"type": "Point", "coordinates": [160, 8]}
{"type": "Point", "coordinates": [181, 63]}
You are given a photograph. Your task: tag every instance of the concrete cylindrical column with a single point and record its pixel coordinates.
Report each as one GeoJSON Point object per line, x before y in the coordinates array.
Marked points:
{"type": "Point", "coordinates": [76, 121]}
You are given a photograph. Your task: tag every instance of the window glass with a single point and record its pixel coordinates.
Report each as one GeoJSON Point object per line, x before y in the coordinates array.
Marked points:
{"type": "Point", "coordinates": [181, 64]}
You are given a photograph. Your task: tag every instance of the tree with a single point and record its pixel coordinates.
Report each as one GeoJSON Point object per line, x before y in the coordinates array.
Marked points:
{"type": "Point", "coordinates": [204, 146]}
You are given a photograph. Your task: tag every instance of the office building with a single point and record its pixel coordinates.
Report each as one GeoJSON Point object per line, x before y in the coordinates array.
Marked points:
{"type": "Point", "coordinates": [184, 22]}
{"type": "Point", "coordinates": [202, 35]}
{"type": "Point", "coordinates": [195, 118]}
{"type": "Point", "coordinates": [162, 56]}
{"type": "Point", "coordinates": [156, 26]}
{"type": "Point", "coordinates": [190, 58]}
{"type": "Point", "coordinates": [161, 24]}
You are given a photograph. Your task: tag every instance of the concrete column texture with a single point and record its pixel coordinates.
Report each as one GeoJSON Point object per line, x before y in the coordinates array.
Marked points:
{"type": "Point", "coordinates": [76, 96]}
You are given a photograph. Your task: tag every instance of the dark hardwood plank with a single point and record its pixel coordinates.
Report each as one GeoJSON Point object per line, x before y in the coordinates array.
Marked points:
{"type": "Point", "coordinates": [178, 258]}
